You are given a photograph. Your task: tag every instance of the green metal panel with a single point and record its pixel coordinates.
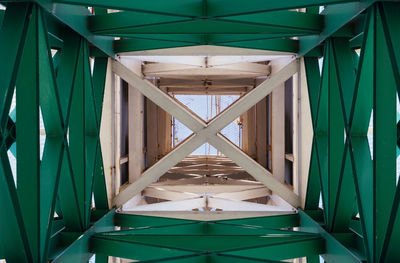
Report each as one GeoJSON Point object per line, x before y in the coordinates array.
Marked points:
{"type": "Point", "coordinates": [265, 23]}
{"type": "Point", "coordinates": [78, 250]}
{"type": "Point", "coordinates": [334, 250]}
{"type": "Point", "coordinates": [336, 17]}
{"type": "Point", "coordinates": [375, 182]}
{"type": "Point", "coordinates": [272, 222]}
{"type": "Point", "coordinates": [66, 75]}
{"type": "Point", "coordinates": [28, 153]}
{"type": "Point", "coordinates": [99, 184]}
{"type": "Point", "coordinates": [138, 221]}
{"type": "Point", "coordinates": [15, 23]}
{"type": "Point", "coordinates": [196, 8]}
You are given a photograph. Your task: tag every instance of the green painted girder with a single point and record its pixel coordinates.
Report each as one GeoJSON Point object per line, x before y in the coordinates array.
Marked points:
{"type": "Point", "coordinates": [389, 12]}
{"type": "Point", "coordinates": [38, 180]}
{"type": "Point", "coordinates": [209, 228]}
{"type": "Point", "coordinates": [14, 28]}
{"type": "Point", "coordinates": [334, 250]}
{"type": "Point", "coordinates": [78, 250]}
{"type": "Point", "coordinates": [139, 221]}
{"type": "Point", "coordinates": [271, 222]}
{"type": "Point", "coordinates": [206, 26]}
{"type": "Point", "coordinates": [99, 184]}
{"type": "Point", "coordinates": [252, 246]}
{"type": "Point", "coordinates": [336, 17]}
{"type": "Point", "coordinates": [200, 8]}
{"type": "Point", "coordinates": [337, 188]}
{"type": "Point", "coordinates": [130, 45]}
{"type": "Point", "coordinates": [212, 243]}
{"type": "Point", "coordinates": [134, 251]}
{"type": "Point", "coordinates": [75, 17]}
{"type": "Point", "coordinates": [154, 234]}
{"type": "Point", "coordinates": [66, 77]}
{"type": "Point", "coordinates": [288, 22]}
{"type": "Point", "coordinates": [285, 250]}
{"type": "Point", "coordinates": [216, 259]}
{"type": "Point", "coordinates": [203, 39]}
{"type": "Point", "coordinates": [375, 179]}
{"type": "Point", "coordinates": [314, 182]}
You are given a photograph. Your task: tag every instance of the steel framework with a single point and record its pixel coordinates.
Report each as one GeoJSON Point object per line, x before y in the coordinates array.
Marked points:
{"type": "Point", "coordinates": [54, 55]}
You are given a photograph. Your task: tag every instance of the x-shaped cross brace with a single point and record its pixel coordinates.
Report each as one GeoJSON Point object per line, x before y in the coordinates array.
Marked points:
{"type": "Point", "coordinates": [206, 132]}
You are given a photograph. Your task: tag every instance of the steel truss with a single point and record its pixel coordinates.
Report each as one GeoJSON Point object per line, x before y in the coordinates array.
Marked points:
{"type": "Point", "coordinates": [360, 219]}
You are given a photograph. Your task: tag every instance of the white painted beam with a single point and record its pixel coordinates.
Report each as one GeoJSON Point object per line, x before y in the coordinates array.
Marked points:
{"type": "Point", "coordinates": [180, 205]}
{"type": "Point", "coordinates": [106, 133]}
{"type": "Point", "coordinates": [254, 96]}
{"type": "Point", "coordinates": [232, 205]}
{"type": "Point", "coordinates": [206, 133]}
{"type": "Point", "coordinates": [210, 216]}
{"type": "Point", "coordinates": [253, 168]}
{"type": "Point", "coordinates": [160, 193]}
{"type": "Point", "coordinates": [159, 97]}
{"type": "Point", "coordinates": [245, 195]}
{"type": "Point", "coordinates": [157, 170]}
{"type": "Point", "coordinates": [209, 189]}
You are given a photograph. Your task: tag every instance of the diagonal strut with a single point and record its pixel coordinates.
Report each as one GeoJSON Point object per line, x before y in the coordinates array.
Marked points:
{"type": "Point", "coordinates": [203, 132]}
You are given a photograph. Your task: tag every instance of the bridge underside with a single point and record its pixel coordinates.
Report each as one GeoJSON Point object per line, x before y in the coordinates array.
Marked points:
{"type": "Point", "coordinates": [92, 166]}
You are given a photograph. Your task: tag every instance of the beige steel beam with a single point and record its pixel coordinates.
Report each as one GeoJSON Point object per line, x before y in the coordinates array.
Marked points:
{"type": "Point", "coordinates": [204, 132]}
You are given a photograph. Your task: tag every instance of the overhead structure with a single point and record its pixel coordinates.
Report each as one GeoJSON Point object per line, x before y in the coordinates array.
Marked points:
{"type": "Point", "coordinates": [91, 168]}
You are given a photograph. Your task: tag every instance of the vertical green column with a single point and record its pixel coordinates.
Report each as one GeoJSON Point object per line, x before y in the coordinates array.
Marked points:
{"type": "Point", "coordinates": [69, 57]}
{"type": "Point", "coordinates": [77, 135]}
{"type": "Point", "coordinates": [314, 182]}
{"type": "Point", "coordinates": [37, 180]}
{"type": "Point", "coordinates": [330, 103]}
{"type": "Point", "coordinates": [28, 150]}
{"type": "Point", "coordinates": [99, 185]}
{"type": "Point", "coordinates": [343, 191]}
{"type": "Point", "coordinates": [13, 238]}
{"type": "Point", "coordinates": [390, 22]}
{"type": "Point", "coordinates": [83, 132]}
{"type": "Point", "coordinates": [375, 179]}
{"type": "Point", "coordinates": [91, 133]}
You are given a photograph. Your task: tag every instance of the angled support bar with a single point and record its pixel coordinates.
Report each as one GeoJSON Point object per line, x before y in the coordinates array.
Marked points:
{"type": "Point", "coordinates": [204, 133]}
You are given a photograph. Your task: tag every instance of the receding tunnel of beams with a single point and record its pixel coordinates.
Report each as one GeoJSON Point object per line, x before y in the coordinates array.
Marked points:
{"type": "Point", "coordinates": [207, 107]}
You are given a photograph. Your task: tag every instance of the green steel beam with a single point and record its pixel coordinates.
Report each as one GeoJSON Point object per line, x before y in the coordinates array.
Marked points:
{"type": "Point", "coordinates": [200, 8]}
{"type": "Point", "coordinates": [390, 20]}
{"type": "Point", "coordinates": [336, 17]}
{"type": "Point", "coordinates": [139, 221]}
{"type": "Point", "coordinates": [99, 184]}
{"type": "Point", "coordinates": [78, 250]}
{"type": "Point", "coordinates": [206, 243]}
{"type": "Point", "coordinates": [296, 248]}
{"type": "Point", "coordinates": [15, 24]}
{"type": "Point", "coordinates": [334, 250]}
{"type": "Point", "coordinates": [66, 77]}
{"type": "Point", "coordinates": [75, 17]}
{"type": "Point", "coordinates": [271, 222]}
{"type": "Point", "coordinates": [28, 154]}
{"type": "Point", "coordinates": [135, 251]}
{"type": "Point", "coordinates": [313, 84]}
{"type": "Point", "coordinates": [209, 228]}
{"type": "Point", "coordinates": [265, 23]}
{"type": "Point", "coordinates": [375, 179]}
{"type": "Point", "coordinates": [344, 197]}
